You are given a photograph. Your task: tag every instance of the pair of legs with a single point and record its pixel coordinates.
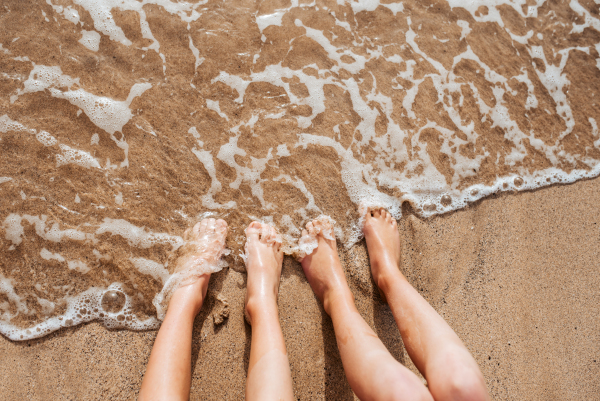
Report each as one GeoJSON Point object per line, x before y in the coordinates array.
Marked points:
{"type": "Point", "coordinates": [168, 375]}
{"type": "Point", "coordinates": [373, 374]}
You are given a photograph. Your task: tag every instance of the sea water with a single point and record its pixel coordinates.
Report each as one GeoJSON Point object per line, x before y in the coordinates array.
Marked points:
{"type": "Point", "coordinates": [122, 122]}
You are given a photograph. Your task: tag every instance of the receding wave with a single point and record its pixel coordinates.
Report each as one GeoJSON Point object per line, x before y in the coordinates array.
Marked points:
{"type": "Point", "coordinates": [123, 122]}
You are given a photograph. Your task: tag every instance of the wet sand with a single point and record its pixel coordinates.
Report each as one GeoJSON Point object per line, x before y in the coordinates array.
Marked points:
{"type": "Point", "coordinates": [515, 275]}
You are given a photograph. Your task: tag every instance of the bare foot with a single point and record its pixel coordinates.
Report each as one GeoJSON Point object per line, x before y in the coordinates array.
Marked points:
{"type": "Point", "coordinates": [264, 258]}
{"type": "Point", "coordinates": [322, 267]}
{"type": "Point", "coordinates": [383, 244]}
{"type": "Point", "coordinates": [196, 260]}
{"type": "Point", "coordinates": [204, 244]}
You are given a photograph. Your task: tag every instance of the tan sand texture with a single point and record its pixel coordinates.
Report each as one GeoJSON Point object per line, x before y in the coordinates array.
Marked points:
{"type": "Point", "coordinates": [515, 276]}
{"type": "Point", "coordinates": [120, 127]}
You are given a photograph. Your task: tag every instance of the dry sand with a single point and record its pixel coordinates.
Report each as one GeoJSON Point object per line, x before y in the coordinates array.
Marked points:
{"type": "Point", "coordinates": [516, 276]}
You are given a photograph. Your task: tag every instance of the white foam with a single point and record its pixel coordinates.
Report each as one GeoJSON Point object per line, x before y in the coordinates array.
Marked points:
{"type": "Point", "coordinates": [47, 255]}
{"type": "Point", "coordinates": [106, 113]}
{"type": "Point", "coordinates": [309, 242]}
{"type": "Point", "coordinates": [46, 139]}
{"type": "Point", "coordinates": [151, 268]}
{"type": "Point", "coordinates": [69, 13]}
{"type": "Point", "coordinates": [589, 20]}
{"type": "Point", "coordinates": [90, 39]}
{"type": "Point", "coordinates": [137, 236]}
{"type": "Point", "coordinates": [6, 125]}
{"type": "Point", "coordinates": [13, 228]}
{"type": "Point", "coordinates": [205, 157]}
{"type": "Point", "coordinates": [43, 77]}
{"type": "Point", "coordinates": [76, 157]}
{"type": "Point", "coordinates": [266, 20]}
{"type": "Point", "coordinates": [196, 53]}
{"type": "Point", "coordinates": [81, 308]}
{"type": "Point", "coordinates": [214, 106]}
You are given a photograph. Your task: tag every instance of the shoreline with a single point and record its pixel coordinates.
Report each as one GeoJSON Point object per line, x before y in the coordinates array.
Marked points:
{"type": "Point", "coordinates": [515, 275]}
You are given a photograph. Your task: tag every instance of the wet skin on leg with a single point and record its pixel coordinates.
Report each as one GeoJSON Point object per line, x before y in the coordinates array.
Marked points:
{"type": "Point", "coordinates": [438, 353]}
{"type": "Point", "coordinates": [269, 375]}
{"type": "Point", "coordinates": [372, 371]}
{"type": "Point", "coordinates": [168, 375]}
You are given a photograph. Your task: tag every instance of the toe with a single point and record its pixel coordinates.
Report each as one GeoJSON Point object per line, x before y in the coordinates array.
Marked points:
{"type": "Point", "coordinates": [310, 228]}
{"type": "Point", "coordinates": [272, 235]}
{"type": "Point", "coordinates": [198, 228]}
{"type": "Point", "coordinates": [221, 226]}
{"type": "Point", "coordinates": [211, 224]}
{"type": "Point", "coordinates": [304, 233]}
{"type": "Point", "coordinates": [265, 233]}
{"type": "Point", "coordinates": [253, 231]}
{"type": "Point", "coordinates": [318, 226]}
{"type": "Point", "coordinates": [202, 228]}
{"type": "Point", "coordinates": [377, 213]}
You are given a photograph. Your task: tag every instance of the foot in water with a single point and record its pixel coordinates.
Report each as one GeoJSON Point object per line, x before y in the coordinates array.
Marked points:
{"type": "Point", "coordinates": [383, 245]}
{"type": "Point", "coordinates": [204, 244]}
{"type": "Point", "coordinates": [322, 267]}
{"type": "Point", "coordinates": [264, 259]}
{"type": "Point", "coordinates": [196, 260]}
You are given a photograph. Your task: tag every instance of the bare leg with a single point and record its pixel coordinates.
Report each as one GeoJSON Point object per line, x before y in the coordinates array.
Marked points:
{"type": "Point", "coordinates": [438, 353]}
{"type": "Point", "coordinates": [371, 370]}
{"type": "Point", "coordinates": [269, 376]}
{"type": "Point", "coordinates": [168, 375]}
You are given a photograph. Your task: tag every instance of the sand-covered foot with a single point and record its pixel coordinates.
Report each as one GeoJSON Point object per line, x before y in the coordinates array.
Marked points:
{"type": "Point", "coordinates": [204, 244]}
{"type": "Point", "coordinates": [322, 266]}
{"type": "Point", "coordinates": [264, 258]}
{"type": "Point", "coordinates": [383, 244]}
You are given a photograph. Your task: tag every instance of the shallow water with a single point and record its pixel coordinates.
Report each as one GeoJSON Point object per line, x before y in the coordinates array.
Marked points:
{"type": "Point", "coordinates": [123, 122]}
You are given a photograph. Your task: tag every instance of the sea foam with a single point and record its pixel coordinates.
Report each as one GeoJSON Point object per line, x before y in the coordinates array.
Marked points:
{"type": "Point", "coordinates": [123, 136]}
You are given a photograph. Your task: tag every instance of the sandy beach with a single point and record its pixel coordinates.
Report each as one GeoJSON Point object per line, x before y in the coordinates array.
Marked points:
{"type": "Point", "coordinates": [516, 276]}
{"type": "Point", "coordinates": [474, 123]}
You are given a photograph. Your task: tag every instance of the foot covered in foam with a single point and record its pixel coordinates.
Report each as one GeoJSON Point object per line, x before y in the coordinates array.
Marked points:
{"type": "Point", "coordinates": [264, 258]}
{"type": "Point", "coordinates": [322, 266]}
{"type": "Point", "coordinates": [204, 244]}
{"type": "Point", "coordinates": [383, 244]}
{"type": "Point", "coordinates": [198, 258]}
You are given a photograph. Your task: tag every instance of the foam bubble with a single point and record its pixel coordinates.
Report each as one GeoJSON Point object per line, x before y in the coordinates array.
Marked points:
{"type": "Point", "coordinates": [113, 301]}
{"type": "Point", "coordinates": [84, 307]}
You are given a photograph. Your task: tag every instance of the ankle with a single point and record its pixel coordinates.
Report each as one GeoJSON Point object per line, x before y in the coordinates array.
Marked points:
{"type": "Point", "coordinates": [257, 306]}
{"type": "Point", "coordinates": [387, 278]}
{"type": "Point", "coordinates": [338, 298]}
